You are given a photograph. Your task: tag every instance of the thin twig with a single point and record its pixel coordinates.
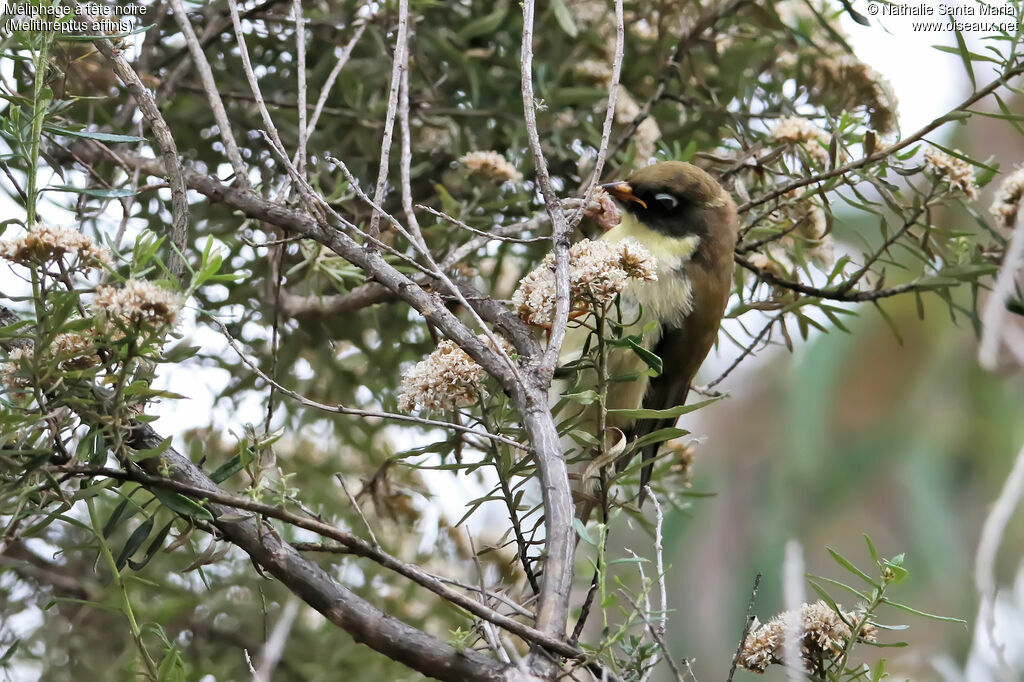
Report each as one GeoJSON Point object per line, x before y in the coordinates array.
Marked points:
{"type": "Point", "coordinates": [341, 549]}
{"type": "Point", "coordinates": [749, 622]}
{"type": "Point", "coordinates": [254, 85]}
{"type": "Point", "coordinates": [553, 605]}
{"type": "Point", "coordinates": [341, 409]}
{"type": "Point", "coordinates": [830, 294]}
{"type": "Point", "coordinates": [272, 651]}
{"type": "Point", "coordinates": [397, 67]}
{"type": "Point", "coordinates": [300, 73]}
{"type": "Point", "coordinates": [359, 512]}
{"type": "Point", "coordinates": [746, 351]}
{"type": "Point", "coordinates": [609, 114]}
{"type": "Point", "coordinates": [660, 641]}
{"type": "Point", "coordinates": [213, 97]}
{"type": "Point", "coordinates": [346, 52]}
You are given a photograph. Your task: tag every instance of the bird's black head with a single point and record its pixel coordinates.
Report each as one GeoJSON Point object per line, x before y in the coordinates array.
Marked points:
{"type": "Point", "coordinates": [674, 198]}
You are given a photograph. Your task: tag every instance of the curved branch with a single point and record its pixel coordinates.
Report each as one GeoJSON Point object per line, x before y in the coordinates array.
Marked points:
{"type": "Point", "coordinates": [220, 502]}
{"type": "Point", "coordinates": [836, 294]}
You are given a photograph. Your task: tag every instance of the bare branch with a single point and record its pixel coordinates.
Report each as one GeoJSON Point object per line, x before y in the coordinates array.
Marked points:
{"type": "Point", "coordinates": [221, 503]}
{"type": "Point", "coordinates": [165, 141]}
{"type": "Point", "coordinates": [220, 115]}
{"type": "Point", "coordinates": [553, 607]}
{"type": "Point", "coordinates": [399, 66]}
{"type": "Point", "coordinates": [333, 76]}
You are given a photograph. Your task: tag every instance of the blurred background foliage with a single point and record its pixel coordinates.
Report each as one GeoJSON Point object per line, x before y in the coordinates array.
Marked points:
{"type": "Point", "coordinates": [899, 436]}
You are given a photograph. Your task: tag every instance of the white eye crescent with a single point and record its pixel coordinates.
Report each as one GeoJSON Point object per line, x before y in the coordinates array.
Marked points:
{"type": "Point", "coordinates": [667, 200]}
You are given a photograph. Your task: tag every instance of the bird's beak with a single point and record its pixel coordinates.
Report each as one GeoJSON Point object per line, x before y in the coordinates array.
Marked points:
{"type": "Point", "coordinates": [623, 191]}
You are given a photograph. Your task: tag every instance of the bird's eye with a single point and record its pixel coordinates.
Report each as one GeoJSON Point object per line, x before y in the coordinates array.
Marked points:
{"type": "Point", "coordinates": [667, 201]}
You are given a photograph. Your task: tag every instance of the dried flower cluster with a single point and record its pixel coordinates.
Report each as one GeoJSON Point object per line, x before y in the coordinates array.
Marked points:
{"type": "Point", "coordinates": [138, 301]}
{"type": "Point", "coordinates": [1008, 199]}
{"type": "Point", "coordinates": [444, 380]}
{"type": "Point", "coordinates": [10, 374]}
{"type": "Point", "coordinates": [602, 210]}
{"type": "Point", "coordinates": [797, 130]}
{"type": "Point", "coordinates": [69, 351]}
{"type": "Point", "coordinates": [48, 243]}
{"type": "Point", "coordinates": [598, 271]}
{"type": "Point", "coordinates": [823, 635]}
{"type": "Point", "coordinates": [856, 84]}
{"type": "Point", "coordinates": [491, 165]}
{"type": "Point", "coordinates": [957, 172]}
{"type": "Point", "coordinates": [74, 351]}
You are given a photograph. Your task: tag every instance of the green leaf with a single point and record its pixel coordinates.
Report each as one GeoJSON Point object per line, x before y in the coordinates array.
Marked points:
{"type": "Point", "coordinates": [172, 668]}
{"type": "Point", "coordinates": [484, 25]}
{"type": "Point", "coordinates": [872, 551]}
{"type": "Point", "coordinates": [135, 541]}
{"type": "Point", "coordinates": [584, 534]}
{"type": "Point", "coordinates": [111, 193]}
{"type": "Point", "coordinates": [94, 135]}
{"type": "Point", "coordinates": [226, 470]}
{"type": "Point", "coordinates": [7, 655]}
{"type": "Point", "coordinates": [649, 358]}
{"type": "Point", "coordinates": [659, 436]}
{"type": "Point", "coordinates": [835, 583]}
{"type": "Point", "coordinates": [93, 448]}
{"type": "Point", "coordinates": [149, 453]}
{"type": "Point", "coordinates": [564, 18]}
{"type": "Point", "coordinates": [587, 397]}
{"type": "Point", "coordinates": [662, 414]}
{"type": "Point", "coordinates": [182, 505]}
{"type": "Point", "coordinates": [923, 614]}
{"type": "Point", "coordinates": [965, 56]}
{"type": "Point", "coordinates": [848, 565]}
{"type": "Point", "coordinates": [154, 547]}
{"type": "Point", "coordinates": [825, 596]}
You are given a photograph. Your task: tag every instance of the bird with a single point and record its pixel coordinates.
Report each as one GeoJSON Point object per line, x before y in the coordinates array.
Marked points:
{"type": "Point", "coordinates": [689, 223]}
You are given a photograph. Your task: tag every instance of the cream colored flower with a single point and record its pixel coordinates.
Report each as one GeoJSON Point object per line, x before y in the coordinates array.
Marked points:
{"type": "Point", "coordinates": [598, 271]}
{"type": "Point", "coordinates": [444, 380]}
{"type": "Point", "coordinates": [957, 172]}
{"type": "Point", "coordinates": [51, 243]}
{"type": "Point", "coordinates": [10, 373]}
{"type": "Point", "coordinates": [797, 130]}
{"type": "Point", "coordinates": [138, 301]}
{"type": "Point", "coordinates": [69, 351]}
{"type": "Point", "coordinates": [491, 165]}
{"type": "Point", "coordinates": [823, 634]}
{"type": "Point", "coordinates": [602, 210]}
{"type": "Point", "coordinates": [74, 351]}
{"type": "Point", "coordinates": [1008, 199]}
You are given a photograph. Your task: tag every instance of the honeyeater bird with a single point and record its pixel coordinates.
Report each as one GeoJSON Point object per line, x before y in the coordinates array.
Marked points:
{"type": "Point", "coordinates": [689, 224]}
